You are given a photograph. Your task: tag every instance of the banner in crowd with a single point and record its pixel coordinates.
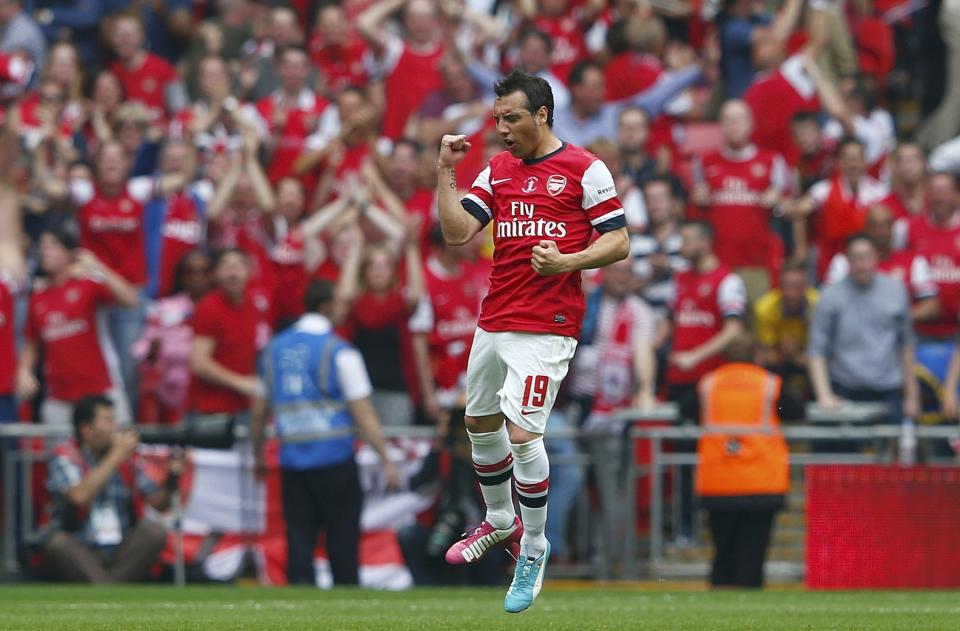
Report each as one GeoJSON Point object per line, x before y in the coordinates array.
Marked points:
{"type": "Point", "coordinates": [228, 516]}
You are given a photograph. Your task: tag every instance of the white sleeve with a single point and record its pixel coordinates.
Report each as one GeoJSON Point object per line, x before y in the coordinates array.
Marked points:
{"type": "Point", "coordinates": [142, 188]}
{"type": "Point", "coordinates": [921, 279]}
{"type": "Point", "coordinates": [422, 319]}
{"type": "Point", "coordinates": [780, 175]}
{"type": "Point", "coordinates": [732, 296]}
{"type": "Point", "coordinates": [635, 209]}
{"type": "Point", "coordinates": [838, 270]}
{"type": "Point", "coordinates": [327, 129]}
{"type": "Point", "coordinates": [794, 71]}
{"type": "Point", "coordinates": [352, 375]}
{"type": "Point", "coordinates": [876, 133]}
{"type": "Point", "coordinates": [819, 192]}
{"type": "Point", "coordinates": [598, 185]}
{"type": "Point", "coordinates": [380, 66]}
{"type": "Point", "coordinates": [946, 157]}
{"type": "Point", "coordinates": [204, 190]}
{"type": "Point", "coordinates": [252, 114]}
{"type": "Point", "coordinates": [81, 191]}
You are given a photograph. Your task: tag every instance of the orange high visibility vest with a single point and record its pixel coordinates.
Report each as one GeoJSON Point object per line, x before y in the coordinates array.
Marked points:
{"type": "Point", "coordinates": [741, 396]}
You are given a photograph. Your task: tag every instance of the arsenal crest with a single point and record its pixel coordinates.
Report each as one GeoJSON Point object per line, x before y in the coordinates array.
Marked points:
{"type": "Point", "coordinates": [556, 184]}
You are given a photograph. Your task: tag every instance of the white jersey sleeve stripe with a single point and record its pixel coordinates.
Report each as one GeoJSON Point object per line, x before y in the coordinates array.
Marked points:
{"type": "Point", "coordinates": [483, 181]}
{"type": "Point", "coordinates": [610, 215]}
{"type": "Point", "coordinates": [479, 202]}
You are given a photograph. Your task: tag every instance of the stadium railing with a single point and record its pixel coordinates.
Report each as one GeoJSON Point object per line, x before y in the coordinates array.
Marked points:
{"type": "Point", "coordinates": [611, 449]}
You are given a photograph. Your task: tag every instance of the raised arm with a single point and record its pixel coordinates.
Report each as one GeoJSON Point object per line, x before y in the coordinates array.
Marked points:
{"type": "Point", "coordinates": [458, 226]}
{"type": "Point", "coordinates": [225, 189]}
{"type": "Point", "coordinates": [370, 23]}
{"type": "Point", "coordinates": [348, 285]}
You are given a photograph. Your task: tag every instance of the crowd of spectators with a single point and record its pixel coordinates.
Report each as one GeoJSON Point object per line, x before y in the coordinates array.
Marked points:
{"type": "Point", "coordinates": [175, 172]}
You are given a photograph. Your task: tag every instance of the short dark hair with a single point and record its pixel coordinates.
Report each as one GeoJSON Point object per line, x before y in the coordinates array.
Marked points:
{"type": "Point", "coordinates": [804, 117]}
{"type": "Point", "coordinates": [319, 293]}
{"type": "Point", "coordinates": [579, 70]}
{"type": "Point", "coordinates": [703, 226]}
{"type": "Point", "coordinates": [225, 252]}
{"type": "Point", "coordinates": [413, 143]}
{"type": "Point", "coordinates": [858, 236]}
{"type": "Point", "coordinates": [180, 269]}
{"type": "Point", "coordinates": [847, 141]}
{"type": "Point", "coordinates": [65, 233]}
{"type": "Point", "coordinates": [85, 410]}
{"type": "Point", "coordinates": [536, 90]}
{"type": "Point", "coordinates": [538, 34]}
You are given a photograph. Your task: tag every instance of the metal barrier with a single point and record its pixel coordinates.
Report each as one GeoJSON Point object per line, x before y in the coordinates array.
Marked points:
{"type": "Point", "coordinates": [614, 533]}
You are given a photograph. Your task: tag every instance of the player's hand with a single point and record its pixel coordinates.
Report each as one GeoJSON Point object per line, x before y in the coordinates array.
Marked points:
{"type": "Point", "coordinates": [829, 401]}
{"type": "Point", "coordinates": [949, 405]}
{"type": "Point", "coordinates": [392, 475]}
{"type": "Point", "coordinates": [27, 386]}
{"type": "Point", "coordinates": [85, 265]}
{"type": "Point", "coordinates": [452, 150]}
{"type": "Point", "coordinates": [548, 260]}
{"type": "Point", "coordinates": [250, 386]}
{"type": "Point", "coordinates": [124, 443]}
{"type": "Point", "coordinates": [684, 360]}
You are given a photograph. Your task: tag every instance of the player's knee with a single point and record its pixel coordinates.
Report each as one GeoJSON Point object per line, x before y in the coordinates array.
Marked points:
{"type": "Point", "coordinates": [520, 436]}
{"type": "Point", "coordinates": [482, 424]}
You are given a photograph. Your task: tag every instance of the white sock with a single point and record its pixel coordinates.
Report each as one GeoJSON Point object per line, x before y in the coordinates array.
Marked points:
{"type": "Point", "coordinates": [532, 473]}
{"type": "Point", "coordinates": [493, 463]}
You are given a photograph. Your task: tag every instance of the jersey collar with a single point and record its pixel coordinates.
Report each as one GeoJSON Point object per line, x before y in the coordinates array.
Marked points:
{"type": "Point", "coordinates": [531, 161]}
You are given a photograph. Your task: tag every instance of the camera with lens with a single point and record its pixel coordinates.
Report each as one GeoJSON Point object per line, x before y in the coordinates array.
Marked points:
{"type": "Point", "coordinates": [206, 432]}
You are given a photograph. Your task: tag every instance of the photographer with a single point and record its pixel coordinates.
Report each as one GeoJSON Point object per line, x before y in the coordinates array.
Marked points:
{"type": "Point", "coordinates": [98, 491]}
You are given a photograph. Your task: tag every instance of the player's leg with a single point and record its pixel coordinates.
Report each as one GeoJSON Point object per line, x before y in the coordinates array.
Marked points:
{"type": "Point", "coordinates": [536, 366]}
{"type": "Point", "coordinates": [490, 447]}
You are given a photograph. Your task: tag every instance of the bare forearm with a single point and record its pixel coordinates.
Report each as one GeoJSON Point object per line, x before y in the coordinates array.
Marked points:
{"type": "Point", "coordinates": [367, 422]}
{"type": "Point", "coordinates": [645, 367]}
{"type": "Point", "coordinates": [910, 385]}
{"type": "Point", "coordinates": [952, 379]}
{"type": "Point", "coordinates": [217, 374]}
{"type": "Point", "coordinates": [817, 367]}
{"type": "Point", "coordinates": [92, 483]}
{"type": "Point", "coordinates": [421, 355]}
{"type": "Point", "coordinates": [732, 327]}
{"type": "Point", "coordinates": [458, 226]}
{"type": "Point", "coordinates": [258, 422]}
{"type": "Point", "coordinates": [123, 292]}
{"type": "Point", "coordinates": [927, 309]}
{"type": "Point", "coordinates": [609, 248]}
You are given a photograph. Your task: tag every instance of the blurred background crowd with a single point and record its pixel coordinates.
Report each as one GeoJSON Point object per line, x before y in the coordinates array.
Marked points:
{"type": "Point", "coordinates": [175, 173]}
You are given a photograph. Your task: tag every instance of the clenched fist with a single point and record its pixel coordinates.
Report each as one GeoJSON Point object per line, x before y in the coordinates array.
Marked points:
{"type": "Point", "coordinates": [548, 260]}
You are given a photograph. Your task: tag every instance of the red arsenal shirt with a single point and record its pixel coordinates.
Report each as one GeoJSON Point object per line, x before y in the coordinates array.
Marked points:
{"type": "Point", "coordinates": [560, 197]}
{"type": "Point", "coordinates": [454, 300]}
{"type": "Point", "coordinates": [148, 82]}
{"type": "Point", "coordinates": [941, 247]}
{"type": "Point", "coordinates": [62, 321]}
{"type": "Point", "coordinates": [238, 332]}
{"type": "Point", "coordinates": [8, 353]}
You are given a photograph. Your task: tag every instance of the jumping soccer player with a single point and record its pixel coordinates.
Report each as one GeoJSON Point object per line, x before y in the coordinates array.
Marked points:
{"type": "Point", "coordinates": [545, 198]}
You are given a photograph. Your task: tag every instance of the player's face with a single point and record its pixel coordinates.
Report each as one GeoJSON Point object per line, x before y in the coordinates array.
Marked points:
{"type": "Point", "coordinates": [232, 273]}
{"type": "Point", "coordinates": [863, 261]}
{"type": "Point", "coordinates": [909, 165]}
{"type": "Point", "coordinates": [54, 256]}
{"type": "Point", "coordinates": [879, 226]}
{"type": "Point", "coordinates": [520, 129]}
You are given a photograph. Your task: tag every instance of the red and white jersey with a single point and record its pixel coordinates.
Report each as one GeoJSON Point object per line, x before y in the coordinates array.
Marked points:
{"type": "Point", "coordinates": [775, 98]}
{"type": "Point", "coordinates": [290, 276]}
{"type": "Point", "coordinates": [941, 247]}
{"type": "Point", "coordinates": [569, 43]}
{"type": "Point", "coordinates": [631, 73]}
{"type": "Point", "coordinates": [454, 306]}
{"type": "Point", "coordinates": [30, 126]}
{"type": "Point", "coordinates": [148, 82]}
{"type": "Point", "coordinates": [559, 197]}
{"type": "Point", "coordinates": [737, 182]}
{"type": "Point", "coordinates": [184, 229]}
{"type": "Point", "coordinates": [341, 65]}
{"type": "Point", "coordinates": [411, 75]}
{"type": "Point", "coordinates": [8, 350]}
{"type": "Point", "coordinates": [701, 304]}
{"type": "Point", "coordinates": [291, 124]}
{"type": "Point", "coordinates": [908, 267]}
{"type": "Point", "coordinates": [112, 227]}
{"type": "Point", "coordinates": [62, 320]}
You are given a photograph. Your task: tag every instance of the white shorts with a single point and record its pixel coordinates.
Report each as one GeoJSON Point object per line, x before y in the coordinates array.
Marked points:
{"type": "Point", "coordinates": [518, 374]}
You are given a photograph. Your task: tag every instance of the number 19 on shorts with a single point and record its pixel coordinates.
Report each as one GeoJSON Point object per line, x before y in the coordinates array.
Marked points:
{"type": "Point", "coordinates": [535, 390]}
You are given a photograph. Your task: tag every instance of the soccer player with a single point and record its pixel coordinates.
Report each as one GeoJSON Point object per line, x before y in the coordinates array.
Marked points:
{"type": "Point", "coordinates": [545, 197]}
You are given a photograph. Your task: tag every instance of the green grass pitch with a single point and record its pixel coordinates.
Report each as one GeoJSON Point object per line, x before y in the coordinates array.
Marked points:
{"type": "Point", "coordinates": [35, 607]}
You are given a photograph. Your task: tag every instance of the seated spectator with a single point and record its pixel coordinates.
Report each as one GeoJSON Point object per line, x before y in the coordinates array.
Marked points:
{"type": "Point", "coordinates": [99, 534]}
{"type": "Point", "coordinates": [375, 309]}
{"type": "Point", "coordinates": [907, 266]}
{"type": "Point", "coordinates": [145, 77]}
{"type": "Point", "coordinates": [163, 350]}
{"type": "Point", "coordinates": [62, 325]}
{"type": "Point", "coordinates": [656, 251]}
{"type": "Point", "coordinates": [861, 341]}
{"type": "Point", "coordinates": [782, 319]}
